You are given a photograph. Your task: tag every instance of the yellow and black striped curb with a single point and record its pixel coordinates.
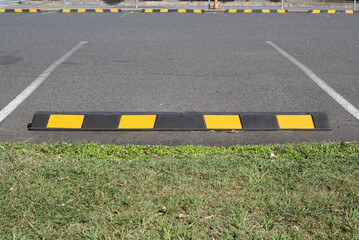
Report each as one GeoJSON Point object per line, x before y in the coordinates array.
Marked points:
{"type": "Point", "coordinates": [174, 121]}
{"type": "Point", "coordinates": [20, 10]}
{"type": "Point", "coordinates": [333, 11]}
{"type": "Point", "coordinates": [113, 10]}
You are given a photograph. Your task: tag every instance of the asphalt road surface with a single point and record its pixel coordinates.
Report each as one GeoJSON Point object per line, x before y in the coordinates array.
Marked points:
{"type": "Point", "coordinates": [211, 62]}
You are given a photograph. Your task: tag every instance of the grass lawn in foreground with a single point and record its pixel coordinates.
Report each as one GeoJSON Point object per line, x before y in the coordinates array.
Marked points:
{"type": "Point", "coordinates": [76, 191]}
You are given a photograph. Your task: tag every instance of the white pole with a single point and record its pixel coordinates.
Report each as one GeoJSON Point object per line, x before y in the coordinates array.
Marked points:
{"type": "Point", "coordinates": [355, 3]}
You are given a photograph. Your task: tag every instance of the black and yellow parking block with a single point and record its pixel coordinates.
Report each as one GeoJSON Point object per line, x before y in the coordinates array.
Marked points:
{"type": "Point", "coordinates": [173, 121]}
{"type": "Point", "coordinates": [96, 10]}
{"type": "Point", "coordinates": [164, 10]}
{"type": "Point", "coordinates": [20, 10]}
{"type": "Point", "coordinates": [255, 11]}
{"type": "Point", "coordinates": [332, 11]}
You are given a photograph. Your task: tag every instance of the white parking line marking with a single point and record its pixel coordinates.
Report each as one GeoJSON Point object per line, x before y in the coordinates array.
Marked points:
{"type": "Point", "coordinates": [321, 15]}
{"type": "Point", "coordinates": [323, 85]}
{"type": "Point", "coordinates": [26, 16]}
{"type": "Point", "coordinates": [214, 13]}
{"type": "Point", "coordinates": [125, 14]}
{"type": "Point", "coordinates": [6, 111]}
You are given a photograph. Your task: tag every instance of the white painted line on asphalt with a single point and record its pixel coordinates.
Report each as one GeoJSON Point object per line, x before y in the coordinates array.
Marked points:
{"type": "Point", "coordinates": [214, 13]}
{"type": "Point", "coordinates": [45, 13]}
{"type": "Point", "coordinates": [323, 85]}
{"type": "Point", "coordinates": [26, 16]}
{"type": "Point", "coordinates": [124, 14]}
{"type": "Point", "coordinates": [321, 15]}
{"type": "Point", "coordinates": [8, 109]}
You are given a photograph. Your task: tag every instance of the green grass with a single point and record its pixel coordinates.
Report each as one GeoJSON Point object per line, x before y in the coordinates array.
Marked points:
{"type": "Point", "coordinates": [76, 191]}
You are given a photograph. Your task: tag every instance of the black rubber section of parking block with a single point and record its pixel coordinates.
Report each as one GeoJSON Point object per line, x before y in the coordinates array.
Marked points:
{"type": "Point", "coordinates": [259, 121]}
{"type": "Point", "coordinates": [180, 122]}
{"type": "Point", "coordinates": [101, 121]}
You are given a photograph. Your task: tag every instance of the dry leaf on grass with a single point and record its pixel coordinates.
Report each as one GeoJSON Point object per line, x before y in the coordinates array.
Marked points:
{"type": "Point", "coordinates": [206, 218]}
{"type": "Point", "coordinates": [63, 204]}
{"type": "Point", "coordinates": [254, 227]}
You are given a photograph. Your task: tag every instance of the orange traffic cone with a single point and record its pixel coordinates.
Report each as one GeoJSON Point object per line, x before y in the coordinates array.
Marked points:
{"type": "Point", "coordinates": [215, 4]}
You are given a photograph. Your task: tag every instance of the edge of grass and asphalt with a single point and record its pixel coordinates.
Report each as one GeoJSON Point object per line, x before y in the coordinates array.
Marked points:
{"type": "Point", "coordinates": [85, 190]}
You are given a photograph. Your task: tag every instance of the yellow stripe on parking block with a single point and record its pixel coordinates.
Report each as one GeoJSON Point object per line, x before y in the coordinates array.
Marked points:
{"type": "Point", "coordinates": [316, 11]}
{"type": "Point", "coordinates": [222, 121]}
{"type": "Point", "coordinates": [349, 11]}
{"type": "Point", "coordinates": [197, 10]}
{"type": "Point", "coordinates": [331, 11]}
{"type": "Point", "coordinates": [265, 11]}
{"type": "Point", "coordinates": [66, 10]}
{"type": "Point", "coordinates": [137, 121]}
{"type": "Point", "coordinates": [295, 121]}
{"type": "Point", "coordinates": [18, 10]}
{"type": "Point", "coordinates": [99, 10]}
{"type": "Point", "coordinates": [232, 10]}
{"type": "Point", "coordinates": [81, 10]}
{"type": "Point", "coordinates": [114, 10]}
{"type": "Point", "coordinates": [33, 10]}
{"type": "Point", "coordinates": [181, 10]}
{"type": "Point", "coordinates": [65, 121]}
{"type": "Point", "coordinates": [280, 11]}
{"type": "Point", "coordinates": [164, 10]}
{"type": "Point", "coordinates": [148, 10]}
{"type": "Point", "coordinates": [247, 10]}
{"type": "Point", "coordinates": [2, 10]}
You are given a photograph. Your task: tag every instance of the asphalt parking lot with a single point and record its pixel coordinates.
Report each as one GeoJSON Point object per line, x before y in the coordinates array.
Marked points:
{"type": "Point", "coordinates": [213, 62]}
